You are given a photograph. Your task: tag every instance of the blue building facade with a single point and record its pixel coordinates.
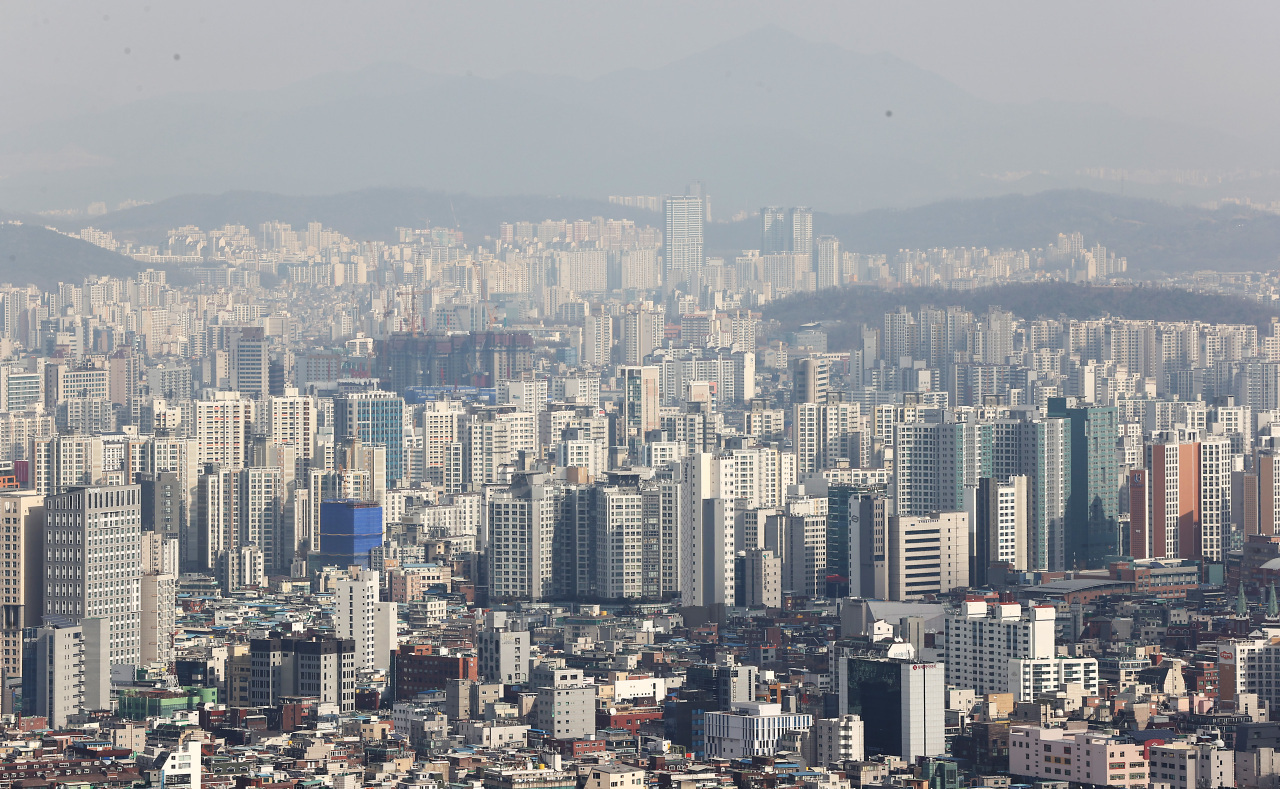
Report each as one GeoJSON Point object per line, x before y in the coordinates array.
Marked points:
{"type": "Point", "coordinates": [348, 531]}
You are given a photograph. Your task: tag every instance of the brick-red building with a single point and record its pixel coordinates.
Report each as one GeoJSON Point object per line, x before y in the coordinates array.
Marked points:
{"type": "Point", "coordinates": [416, 668]}
{"type": "Point", "coordinates": [630, 719]}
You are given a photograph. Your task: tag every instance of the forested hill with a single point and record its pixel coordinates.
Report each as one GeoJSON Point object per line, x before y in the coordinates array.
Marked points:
{"type": "Point", "coordinates": [843, 310]}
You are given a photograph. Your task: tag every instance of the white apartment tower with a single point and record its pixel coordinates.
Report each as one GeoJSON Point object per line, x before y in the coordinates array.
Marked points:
{"type": "Point", "coordinates": [223, 429]}
{"type": "Point", "coordinates": [359, 616]}
{"type": "Point", "coordinates": [981, 639]}
{"type": "Point", "coordinates": [522, 525]}
{"type": "Point", "coordinates": [294, 420]}
{"type": "Point", "coordinates": [707, 489]}
{"type": "Point", "coordinates": [683, 240]}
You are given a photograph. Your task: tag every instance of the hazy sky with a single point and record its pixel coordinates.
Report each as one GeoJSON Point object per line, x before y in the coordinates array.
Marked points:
{"type": "Point", "coordinates": [1214, 64]}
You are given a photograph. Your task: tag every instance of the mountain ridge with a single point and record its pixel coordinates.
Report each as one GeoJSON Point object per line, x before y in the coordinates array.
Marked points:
{"type": "Point", "coordinates": [1155, 236]}
{"type": "Point", "coordinates": [765, 118]}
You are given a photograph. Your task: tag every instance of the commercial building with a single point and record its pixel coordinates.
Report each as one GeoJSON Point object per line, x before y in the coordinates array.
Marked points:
{"type": "Point", "coordinates": [1076, 757]}
{"type": "Point", "coordinates": [926, 555]}
{"type": "Point", "coordinates": [1184, 765]}
{"type": "Point", "coordinates": [320, 666]}
{"type": "Point", "coordinates": [416, 668]}
{"type": "Point", "coordinates": [759, 576]}
{"type": "Point", "coordinates": [903, 697]}
{"type": "Point", "coordinates": [565, 707]}
{"type": "Point", "coordinates": [1032, 678]}
{"type": "Point", "coordinates": [750, 728]}
{"type": "Point", "coordinates": [504, 655]}
{"type": "Point", "coordinates": [93, 565]}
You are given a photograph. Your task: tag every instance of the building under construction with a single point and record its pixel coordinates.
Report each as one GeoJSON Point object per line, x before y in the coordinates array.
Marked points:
{"type": "Point", "coordinates": [475, 359]}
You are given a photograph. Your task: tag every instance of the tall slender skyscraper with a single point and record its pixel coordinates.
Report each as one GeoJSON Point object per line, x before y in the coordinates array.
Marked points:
{"type": "Point", "coordinates": [827, 262]}
{"type": "Point", "coordinates": [775, 230]}
{"type": "Point", "coordinates": [786, 230]}
{"type": "Point", "coordinates": [1093, 506]}
{"type": "Point", "coordinates": [802, 230]}
{"type": "Point", "coordinates": [684, 237]}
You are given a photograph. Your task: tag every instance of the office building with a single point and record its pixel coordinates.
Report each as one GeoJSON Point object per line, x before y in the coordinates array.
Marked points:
{"type": "Point", "coordinates": [926, 555]}
{"type": "Point", "coordinates": [641, 393]}
{"type": "Point", "coordinates": [724, 683]}
{"type": "Point", "coordinates": [250, 361]}
{"type": "Point", "coordinates": [93, 566]}
{"type": "Point", "coordinates": [1093, 504]}
{"type": "Point", "coordinates": [320, 666]}
{"type": "Point", "coordinates": [903, 697]}
{"type": "Point", "coordinates": [750, 728]}
{"type": "Point", "coordinates": [856, 547]}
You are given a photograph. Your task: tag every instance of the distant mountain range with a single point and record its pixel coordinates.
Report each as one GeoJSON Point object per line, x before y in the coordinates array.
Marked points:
{"type": "Point", "coordinates": [1155, 236]}
{"type": "Point", "coordinates": [766, 118]}
{"type": "Point", "coordinates": [369, 214]}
